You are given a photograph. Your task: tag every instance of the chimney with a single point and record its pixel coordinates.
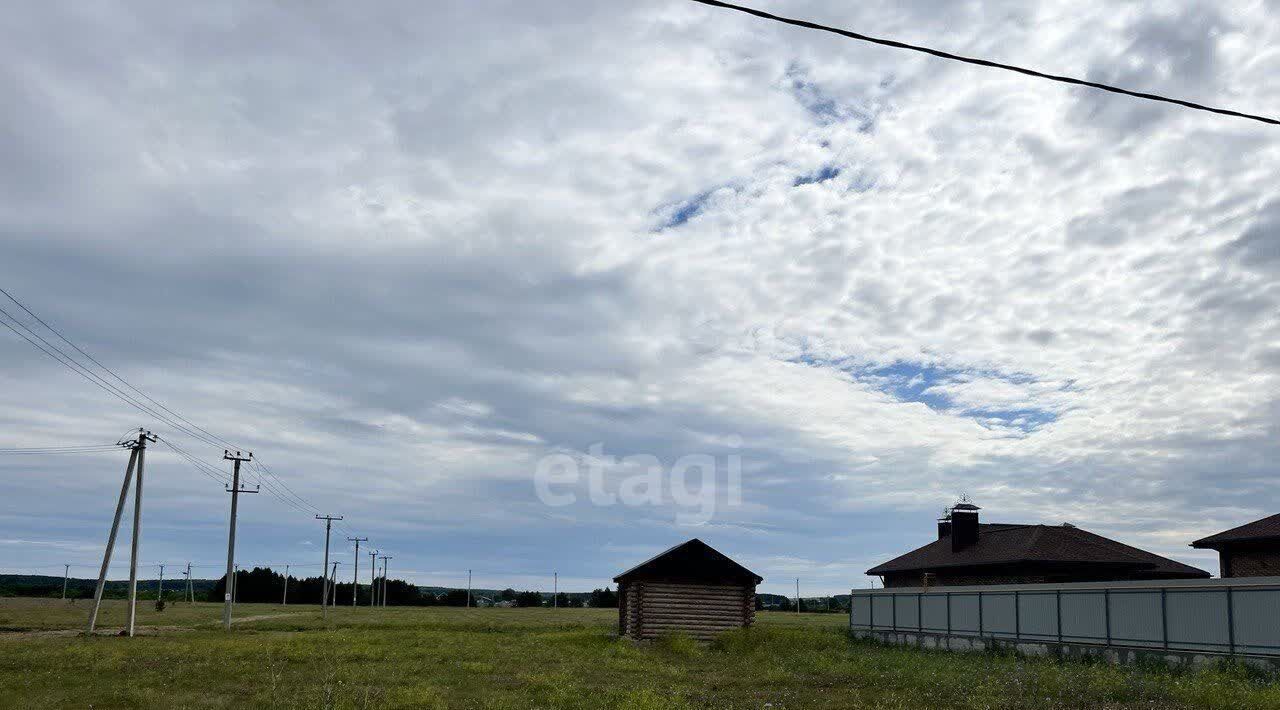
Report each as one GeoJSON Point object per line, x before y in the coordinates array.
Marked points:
{"type": "Point", "coordinates": [964, 526]}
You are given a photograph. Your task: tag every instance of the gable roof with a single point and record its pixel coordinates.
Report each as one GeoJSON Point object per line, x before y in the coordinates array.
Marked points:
{"type": "Point", "coordinates": [691, 560]}
{"type": "Point", "coordinates": [1266, 528]}
{"type": "Point", "coordinates": [1001, 543]}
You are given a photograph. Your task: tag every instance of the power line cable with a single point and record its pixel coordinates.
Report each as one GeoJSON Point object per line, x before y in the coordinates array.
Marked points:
{"type": "Point", "coordinates": [986, 63]}
{"type": "Point", "coordinates": [79, 368]}
{"type": "Point", "coordinates": [223, 442]}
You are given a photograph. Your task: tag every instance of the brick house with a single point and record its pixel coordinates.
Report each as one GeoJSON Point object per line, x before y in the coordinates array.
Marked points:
{"type": "Point", "coordinates": [1251, 550]}
{"type": "Point", "coordinates": [968, 552]}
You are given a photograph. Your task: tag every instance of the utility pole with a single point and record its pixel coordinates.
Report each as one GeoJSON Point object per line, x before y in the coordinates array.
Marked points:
{"type": "Point", "coordinates": [143, 438]}
{"type": "Point", "coordinates": [333, 585]}
{"type": "Point", "coordinates": [235, 586]}
{"type": "Point", "coordinates": [555, 590]}
{"type": "Point", "coordinates": [191, 592]}
{"type": "Point", "coordinates": [66, 572]}
{"type": "Point", "coordinates": [115, 528]}
{"type": "Point", "coordinates": [468, 589]}
{"type": "Point", "coordinates": [235, 490]}
{"type": "Point", "coordinates": [284, 600]}
{"type": "Point", "coordinates": [797, 595]}
{"type": "Point", "coordinates": [384, 559]}
{"type": "Point", "coordinates": [373, 578]}
{"type": "Point", "coordinates": [324, 589]}
{"type": "Point", "coordinates": [160, 587]}
{"type": "Point", "coordinates": [355, 575]}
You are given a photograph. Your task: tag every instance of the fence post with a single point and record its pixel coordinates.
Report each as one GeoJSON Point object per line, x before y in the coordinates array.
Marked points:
{"type": "Point", "coordinates": [1164, 617]}
{"type": "Point", "coordinates": [1058, 595]}
{"type": "Point", "coordinates": [871, 611]}
{"type": "Point", "coordinates": [1106, 611]}
{"type": "Point", "coordinates": [920, 612]}
{"type": "Point", "coordinates": [893, 610]}
{"type": "Point", "coordinates": [980, 626]}
{"type": "Point", "coordinates": [948, 617]}
{"type": "Point", "coordinates": [1017, 615]}
{"type": "Point", "coordinates": [1231, 621]}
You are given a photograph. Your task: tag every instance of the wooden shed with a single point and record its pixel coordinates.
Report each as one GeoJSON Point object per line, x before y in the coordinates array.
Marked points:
{"type": "Point", "coordinates": [691, 588]}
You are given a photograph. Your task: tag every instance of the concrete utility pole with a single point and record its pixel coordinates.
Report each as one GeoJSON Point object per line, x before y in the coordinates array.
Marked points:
{"type": "Point", "coordinates": [66, 572]}
{"type": "Point", "coordinates": [235, 490]}
{"type": "Point", "coordinates": [191, 591]}
{"type": "Point", "coordinates": [468, 589]}
{"type": "Point", "coordinates": [160, 587]}
{"type": "Point", "coordinates": [115, 528]}
{"type": "Point", "coordinates": [235, 586]}
{"type": "Point", "coordinates": [284, 600]}
{"type": "Point", "coordinates": [384, 559]}
{"type": "Point", "coordinates": [797, 595]}
{"type": "Point", "coordinates": [555, 590]}
{"type": "Point", "coordinates": [355, 575]}
{"type": "Point", "coordinates": [143, 438]}
{"type": "Point", "coordinates": [324, 589]}
{"type": "Point", "coordinates": [333, 585]}
{"type": "Point", "coordinates": [373, 578]}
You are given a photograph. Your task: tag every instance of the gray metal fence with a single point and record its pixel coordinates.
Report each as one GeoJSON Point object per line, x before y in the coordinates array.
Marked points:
{"type": "Point", "coordinates": [1237, 616]}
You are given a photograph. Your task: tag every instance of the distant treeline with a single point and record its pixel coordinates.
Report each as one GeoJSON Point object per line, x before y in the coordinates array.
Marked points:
{"type": "Point", "coordinates": [265, 585]}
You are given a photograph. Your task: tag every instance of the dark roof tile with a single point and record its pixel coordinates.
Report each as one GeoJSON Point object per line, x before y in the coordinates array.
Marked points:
{"type": "Point", "coordinates": [1268, 527]}
{"type": "Point", "coordinates": [1001, 543]}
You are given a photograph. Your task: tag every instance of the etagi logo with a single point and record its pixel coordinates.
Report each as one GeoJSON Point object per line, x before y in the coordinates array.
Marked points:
{"type": "Point", "coordinates": [690, 484]}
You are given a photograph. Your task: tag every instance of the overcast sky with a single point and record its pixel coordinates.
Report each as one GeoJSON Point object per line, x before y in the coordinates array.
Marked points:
{"type": "Point", "coordinates": [405, 252]}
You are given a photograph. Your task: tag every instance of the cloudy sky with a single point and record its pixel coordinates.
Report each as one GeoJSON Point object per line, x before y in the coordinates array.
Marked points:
{"type": "Point", "coordinates": [405, 253]}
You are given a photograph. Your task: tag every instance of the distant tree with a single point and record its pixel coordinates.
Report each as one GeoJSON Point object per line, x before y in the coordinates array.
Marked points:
{"type": "Point", "coordinates": [528, 599]}
{"type": "Point", "coordinates": [507, 595]}
{"type": "Point", "coordinates": [454, 597]}
{"type": "Point", "coordinates": [603, 599]}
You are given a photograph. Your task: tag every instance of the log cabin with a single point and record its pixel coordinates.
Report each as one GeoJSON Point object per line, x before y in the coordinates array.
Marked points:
{"type": "Point", "coordinates": [691, 588]}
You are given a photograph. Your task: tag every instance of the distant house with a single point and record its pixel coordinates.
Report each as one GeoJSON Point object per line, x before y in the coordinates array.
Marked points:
{"type": "Point", "coordinates": [1250, 550]}
{"type": "Point", "coordinates": [691, 588]}
{"type": "Point", "coordinates": [968, 552]}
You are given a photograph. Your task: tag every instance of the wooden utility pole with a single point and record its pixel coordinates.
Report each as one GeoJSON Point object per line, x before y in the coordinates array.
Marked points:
{"type": "Point", "coordinates": [373, 578]}
{"type": "Point", "coordinates": [66, 572]}
{"type": "Point", "coordinates": [284, 600]}
{"type": "Point", "coordinates": [355, 575]}
{"type": "Point", "coordinates": [115, 528]}
{"type": "Point", "coordinates": [555, 590]}
{"type": "Point", "coordinates": [324, 588]}
{"type": "Point", "coordinates": [468, 589]}
{"type": "Point", "coordinates": [160, 584]}
{"type": "Point", "coordinates": [235, 490]}
{"type": "Point", "coordinates": [191, 590]}
{"type": "Point", "coordinates": [797, 595]}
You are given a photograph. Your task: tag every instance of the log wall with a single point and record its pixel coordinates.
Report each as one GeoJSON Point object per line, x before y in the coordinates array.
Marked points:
{"type": "Point", "coordinates": [649, 609]}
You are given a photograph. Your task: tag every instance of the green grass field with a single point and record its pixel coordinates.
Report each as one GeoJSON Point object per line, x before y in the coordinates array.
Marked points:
{"type": "Point", "coordinates": [537, 658]}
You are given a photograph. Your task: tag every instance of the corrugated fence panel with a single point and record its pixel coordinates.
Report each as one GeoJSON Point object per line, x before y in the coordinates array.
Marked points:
{"type": "Point", "coordinates": [907, 610]}
{"type": "Point", "coordinates": [859, 610]}
{"type": "Point", "coordinates": [1039, 615]}
{"type": "Point", "coordinates": [1084, 617]}
{"type": "Point", "coordinates": [882, 611]}
{"type": "Point", "coordinates": [1257, 620]}
{"type": "Point", "coordinates": [998, 614]}
{"type": "Point", "coordinates": [964, 613]}
{"type": "Point", "coordinates": [1197, 619]}
{"type": "Point", "coordinates": [933, 612]}
{"type": "Point", "coordinates": [1214, 616]}
{"type": "Point", "coordinates": [1135, 618]}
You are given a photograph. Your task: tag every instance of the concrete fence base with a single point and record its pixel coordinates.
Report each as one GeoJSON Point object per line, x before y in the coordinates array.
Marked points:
{"type": "Point", "coordinates": [1111, 654]}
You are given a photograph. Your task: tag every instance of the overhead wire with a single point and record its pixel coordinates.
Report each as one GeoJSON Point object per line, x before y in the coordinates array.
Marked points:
{"type": "Point", "coordinates": [987, 63]}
